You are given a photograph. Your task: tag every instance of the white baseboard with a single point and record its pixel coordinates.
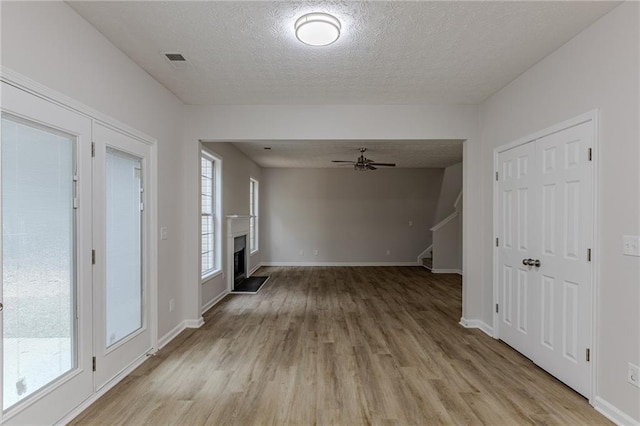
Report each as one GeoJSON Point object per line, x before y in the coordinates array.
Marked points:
{"type": "Point", "coordinates": [162, 342]}
{"type": "Point", "coordinates": [483, 326]}
{"type": "Point", "coordinates": [447, 271]}
{"type": "Point", "coordinates": [211, 303]}
{"type": "Point", "coordinates": [106, 388]}
{"type": "Point", "coordinates": [340, 264]}
{"type": "Point", "coordinates": [255, 268]}
{"type": "Point", "coordinates": [613, 413]}
{"type": "Point", "coordinates": [194, 323]}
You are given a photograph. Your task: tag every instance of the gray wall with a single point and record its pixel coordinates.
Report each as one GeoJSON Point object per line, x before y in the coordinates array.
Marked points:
{"type": "Point", "coordinates": [237, 169]}
{"type": "Point", "coordinates": [447, 241]}
{"type": "Point", "coordinates": [451, 187]}
{"type": "Point", "coordinates": [347, 216]}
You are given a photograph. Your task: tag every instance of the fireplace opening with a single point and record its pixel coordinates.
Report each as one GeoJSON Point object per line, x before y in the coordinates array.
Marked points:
{"type": "Point", "coordinates": [239, 259]}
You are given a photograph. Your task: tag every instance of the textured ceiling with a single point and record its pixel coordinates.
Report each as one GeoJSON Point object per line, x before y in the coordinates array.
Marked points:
{"type": "Point", "coordinates": [389, 53]}
{"type": "Point", "coordinates": [318, 154]}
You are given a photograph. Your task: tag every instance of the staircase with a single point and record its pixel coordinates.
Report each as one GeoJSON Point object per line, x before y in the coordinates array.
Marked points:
{"type": "Point", "coordinates": [427, 262]}
{"type": "Point", "coordinates": [445, 253]}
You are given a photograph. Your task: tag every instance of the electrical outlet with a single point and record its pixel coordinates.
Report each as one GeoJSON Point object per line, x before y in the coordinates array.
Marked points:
{"type": "Point", "coordinates": [410, 223]}
{"type": "Point", "coordinates": [164, 233]}
{"type": "Point", "coordinates": [301, 252]}
{"type": "Point", "coordinates": [388, 252]}
{"type": "Point", "coordinates": [315, 252]}
{"type": "Point", "coordinates": [172, 305]}
{"type": "Point", "coordinates": [631, 245]}
{"type": "Point", "coordinates": [633, 375]}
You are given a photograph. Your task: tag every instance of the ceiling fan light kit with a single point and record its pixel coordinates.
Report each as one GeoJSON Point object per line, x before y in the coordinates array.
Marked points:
{"type": "Point", "coordinates": [317, 29]}
{"type": "Point", "coordinates": [362, 164]}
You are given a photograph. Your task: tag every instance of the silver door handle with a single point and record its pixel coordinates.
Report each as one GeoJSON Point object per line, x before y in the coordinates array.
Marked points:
{"type": "Point", "coordinates": [531, 262]}
{"type": "Point", "coordinates": [1, 307]}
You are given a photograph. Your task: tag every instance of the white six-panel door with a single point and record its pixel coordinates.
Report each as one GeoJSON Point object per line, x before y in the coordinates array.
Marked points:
{"type": "Point", "coordinates": [566, 236]}
{"type": "Point", "coordinates": [517, 198]}
{"type": "Point", "coordinates": [544, 197]}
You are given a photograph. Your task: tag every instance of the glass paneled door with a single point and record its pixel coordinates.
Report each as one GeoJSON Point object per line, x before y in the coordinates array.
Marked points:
{"type": "Point", "coordinates": [121, 296]}
{"type": "Point", "coordinates": [46, 260]}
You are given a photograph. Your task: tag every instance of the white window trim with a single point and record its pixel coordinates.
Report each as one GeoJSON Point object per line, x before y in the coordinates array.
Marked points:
{"type": "Point", "coordinates": [217, 221]}
{"type": "Point", "coordinates": [256, 182]}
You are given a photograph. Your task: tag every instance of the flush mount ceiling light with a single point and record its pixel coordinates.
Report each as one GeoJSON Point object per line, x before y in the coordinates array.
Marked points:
{"type": "Point", "coordinates": [317, 29]}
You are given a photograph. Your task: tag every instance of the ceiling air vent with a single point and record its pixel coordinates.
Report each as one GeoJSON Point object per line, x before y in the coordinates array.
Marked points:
{"type": "Point", "coordinates": [177, 60]}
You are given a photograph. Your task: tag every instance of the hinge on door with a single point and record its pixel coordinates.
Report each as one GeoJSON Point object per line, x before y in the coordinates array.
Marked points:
{"type": "Point", "coordinates": [497, 242]}
{"type": "Point", "coordinates": [588, 354]}
{"type": "Point", "coordinates": [94, 363]}
{"type": "Point", "coordinates": [496, 176]}
{"type": "Point", "coordinates": [590, 154]}
{"type": "Point", "coordinates": [141, 207]}
{"type": "Point", "coordinates": [93, 149]}
{"type": "Point", "coordinates": [93, 257]}
{"type": "Point", "coordinates": [497, 308]}
{"type": "Point", "coordinates": [588, 255]}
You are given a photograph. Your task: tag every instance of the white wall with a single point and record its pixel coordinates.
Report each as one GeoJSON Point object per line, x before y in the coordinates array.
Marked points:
{"type": "Point", "coordinates": [596, 69]}
{"type": "Point", "coordinates": [348, 216]}
{"type": "Point", "coordinates": [451, 187]}
{"type": "Point", "coordinates": [237, 169]}
{"type": "Point", "coordinates": [51, 44]}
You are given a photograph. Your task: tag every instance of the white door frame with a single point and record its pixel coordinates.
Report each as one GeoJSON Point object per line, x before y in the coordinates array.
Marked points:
{"type": "Point", "coordinates": [572, 122]}
{"type": "Point", "coordinates": [41, 91]}
{"type": "Point", "coordinates": [129, 346]}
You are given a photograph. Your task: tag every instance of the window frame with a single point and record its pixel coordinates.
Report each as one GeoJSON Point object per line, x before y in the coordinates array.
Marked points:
{"type": "Point", "coordinates": [254, 212]}
{"type": "Point", "coordinates": [216, 198]}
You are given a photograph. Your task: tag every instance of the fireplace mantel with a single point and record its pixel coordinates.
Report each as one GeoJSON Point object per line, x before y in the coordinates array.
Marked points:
{"type": "Point", "coordinates": [238, 224]}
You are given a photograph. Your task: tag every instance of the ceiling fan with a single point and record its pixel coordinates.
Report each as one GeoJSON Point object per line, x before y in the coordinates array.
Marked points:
{"type": "Point", "coordinates": [362, 163]}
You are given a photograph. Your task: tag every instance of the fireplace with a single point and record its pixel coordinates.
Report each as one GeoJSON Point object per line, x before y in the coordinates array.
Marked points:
{"type": "Point", "coordinates": [237, 253]}
{"type": "Point", "coordinates": [239, 259]}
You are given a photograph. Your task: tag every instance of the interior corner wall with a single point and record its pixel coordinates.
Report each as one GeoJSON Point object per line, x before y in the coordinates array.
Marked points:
{"type": "Point", "coordinates": [599, 68]}
{"type": "Point", "coordinates": [451, 187]}
{"type": "Point", "coordinates": [49, 43]}
{"type": "Point", "coordinates": [337, 216]}
{"type": "Point", "coordinates": [237, 169]}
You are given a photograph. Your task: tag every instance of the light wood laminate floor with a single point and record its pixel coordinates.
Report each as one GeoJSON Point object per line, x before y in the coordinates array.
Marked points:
{"type": "Point", "coordinates": [348, 346]}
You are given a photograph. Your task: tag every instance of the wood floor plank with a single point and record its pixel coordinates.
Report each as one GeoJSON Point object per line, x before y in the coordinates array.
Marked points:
{"type": "Point", "coordinates": [340, 346]}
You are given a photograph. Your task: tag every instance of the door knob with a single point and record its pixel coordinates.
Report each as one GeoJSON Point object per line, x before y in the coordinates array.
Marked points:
{"type": "Point", "coordinates": [531, 262]}
{"type": "Point", "coordinates": [525, 262]}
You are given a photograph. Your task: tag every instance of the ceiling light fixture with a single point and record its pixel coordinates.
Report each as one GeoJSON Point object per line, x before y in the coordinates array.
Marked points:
{"type": "Point", "coordinates": [317, 29]}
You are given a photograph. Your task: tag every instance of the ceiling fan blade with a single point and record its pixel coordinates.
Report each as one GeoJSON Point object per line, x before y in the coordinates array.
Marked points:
{"type": "Point", "coordinates": [370, 167]}
{"type": "Point", "coordinates": [383, 164]}
{"type": "Point", "coordinates": [343, 161]}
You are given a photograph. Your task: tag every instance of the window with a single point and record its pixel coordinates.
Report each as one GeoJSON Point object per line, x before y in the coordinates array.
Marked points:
{"type": "Point", "coordinates": [253, 211]}
{"type": "Point", "coordinates": [209, 214]}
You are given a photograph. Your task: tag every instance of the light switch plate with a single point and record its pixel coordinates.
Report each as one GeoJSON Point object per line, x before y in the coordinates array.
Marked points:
{"type": "Point", "coordinates": [631, 245]}
{"type": "Point", "coordinates": [164, 233]}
